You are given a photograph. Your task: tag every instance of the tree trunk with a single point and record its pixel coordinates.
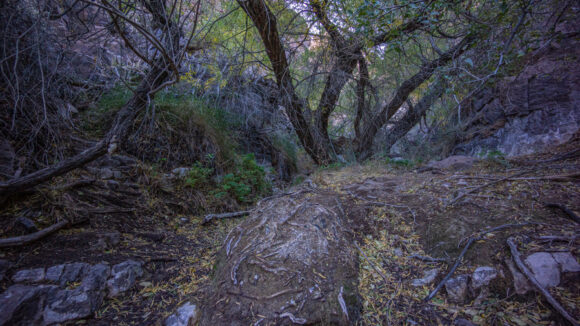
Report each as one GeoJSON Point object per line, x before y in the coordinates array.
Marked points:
{"type": "Point", "coordinates": [266, 23]}
{"type": "Point", "coordinates": [364, 143]}
{"type": "Point", "coordinates": [413, 116]}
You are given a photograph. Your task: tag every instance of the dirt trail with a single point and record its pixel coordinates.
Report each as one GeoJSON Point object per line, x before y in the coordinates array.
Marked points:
{"type": "Point", "coordinates": [395, 212]}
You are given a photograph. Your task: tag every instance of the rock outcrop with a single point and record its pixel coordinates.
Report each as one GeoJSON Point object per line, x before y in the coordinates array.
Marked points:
{"type": "Point", "coordinates": [533, 111]}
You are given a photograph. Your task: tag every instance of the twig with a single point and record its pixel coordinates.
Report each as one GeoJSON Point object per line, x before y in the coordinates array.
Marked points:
{"type": "Point", "coordinates": [429, 259]}
{"type": "Point", "coordinates": [451, 271]}
{"type": "Point", "coordinates": [517, 259]}
{"type": "Point", "coordinates": [557, 238]}
{"type": "Point", "coordinates": [208, 218]}
{"type": "Point", "coordinates": [26, 239]}
{"type": "Point", "coordinates": [566, 210]}
{"type": "Point", "coordinates": [370, 262]}
{"type": "Point", "coordinates": [463, 194]}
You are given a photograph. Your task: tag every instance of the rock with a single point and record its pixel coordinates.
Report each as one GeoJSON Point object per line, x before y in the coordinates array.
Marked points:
{"type": "Point", "coordinates": [428, 277]}
{"type": "Point", "coordinates": [51, 304]}
{"type": "Point", "coordinates": [180, 172]}
{"type": "Point", "coordinates": [27, 224]}
{"type": "Point", "coordinates": [454, 163]}
{"type": "Point", "coordinates": [53, 273]}
{"type": "Point", "coordinates": [482, 276]}
{"type": "Point", "coordinates": [123, 277]}
{"type": "Point", "coordinates": [4, 267]}
{"type": "Point", "coordinates": [23, 304]}
{"type": "Point", "coordinates": [186, 315]}
{"type": "Point", "coordinates": [108, 240]}
{"type": "Point", "coordinates": [29, 275]}
{"type": "Point", "coordinates": [566, 261]}
{"type": "Point", "coordinates": [533, 111]}
{"type": "Point", "coordinates": [73, 272]}
{"type": "Point", "coordinates": [398, 252]}
{"type": "Point", "coordinates": [64, 305]}
{"type": "Point", "coordinates": [545, 268]}
{"type": "Point", "coordinates": [521, 284]}
{"type": "Point", "coordinates": [106, 173]}
{"type": "Point", "coordinates": [457, 288]}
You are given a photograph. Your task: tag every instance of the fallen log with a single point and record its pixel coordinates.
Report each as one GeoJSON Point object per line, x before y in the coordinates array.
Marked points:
{"type": "Point", "coordinates": [26, 239]}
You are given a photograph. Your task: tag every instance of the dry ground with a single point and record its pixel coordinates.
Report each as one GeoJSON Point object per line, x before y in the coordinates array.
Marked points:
{"type": "Point", "coordinates": [398, 212]}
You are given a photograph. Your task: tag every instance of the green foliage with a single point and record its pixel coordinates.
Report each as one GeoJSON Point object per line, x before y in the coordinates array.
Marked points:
{"type": "Point", "coordinates": [332, 166]}
{"type": "Point", "coordinates": [198, 175]}
{"type": "Point", "coordinates": [400, 162]}
{"type": "Point", "coordinates": [246, 183]}
{"type": "Point", "coordinates": [298, 180]}
{"type": "Point", "coordinates": [96, 120]}
{"type": "Point", "coordinates": [287, 146]}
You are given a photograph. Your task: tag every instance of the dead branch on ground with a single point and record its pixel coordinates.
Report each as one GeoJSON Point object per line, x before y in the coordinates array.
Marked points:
{"type": "Point", "coordinates": [208, 218]}
{"type": "Point", "coordinates": [26, 239]}
{"type": "Point", "coordinates": [566, 210]}
{"type": "Point", "coordinates": [518, 260]}
{"type": "Point", "coordinates": [463, 194]}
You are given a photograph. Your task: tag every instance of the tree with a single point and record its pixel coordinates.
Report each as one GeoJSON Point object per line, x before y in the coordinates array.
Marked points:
{"type": "Point", "coordinates": [410, 22]}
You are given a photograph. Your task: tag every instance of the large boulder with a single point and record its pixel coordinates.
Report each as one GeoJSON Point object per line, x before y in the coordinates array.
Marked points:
{"type": "Point", "coordinates": [292, 261]}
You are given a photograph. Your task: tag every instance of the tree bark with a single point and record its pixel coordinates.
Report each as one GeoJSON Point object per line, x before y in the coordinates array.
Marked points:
{"type": "Point", "coordinates": [362, 107]}
{"type": "Point", "coordinates": [413, 115]}
{"type": "Point", "coordinates": [266, 23]}
{"type": "Point", "coordinates": [364, 143]}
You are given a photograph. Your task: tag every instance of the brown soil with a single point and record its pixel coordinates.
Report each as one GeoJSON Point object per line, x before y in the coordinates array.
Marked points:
{"type": "Point", "coordinates": [390, 208]}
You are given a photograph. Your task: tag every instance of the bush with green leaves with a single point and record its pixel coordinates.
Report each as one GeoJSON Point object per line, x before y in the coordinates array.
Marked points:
{"type": "Point", "coordinates": [401, 162]}
{"type": "Point", "coordinates": [198, 175]}
{"type": "Point", "coordinates": [247, 182]}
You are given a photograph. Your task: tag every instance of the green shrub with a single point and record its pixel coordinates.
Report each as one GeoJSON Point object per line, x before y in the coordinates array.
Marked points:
{"type": "Point", "coordinates": [400, 162]}
{"type": "Point", "coordinates": [246, 183]}
{"type": "Point", "coordinates": [198, 175]}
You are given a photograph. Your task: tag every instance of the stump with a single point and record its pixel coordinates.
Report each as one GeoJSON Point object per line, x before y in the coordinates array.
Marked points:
{"type": "Point", "coordinates": [291, 262]}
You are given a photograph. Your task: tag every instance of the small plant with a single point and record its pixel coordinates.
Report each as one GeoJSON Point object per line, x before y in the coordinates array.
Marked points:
{"type": "Point", "coordinates": [332, 166]}
{"type": "Point", "coordinates": [401, 162]}
{"type": "Point", "coordinates": [198, 175]}
{"type": "Point", "coordinates": [247, 182]}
